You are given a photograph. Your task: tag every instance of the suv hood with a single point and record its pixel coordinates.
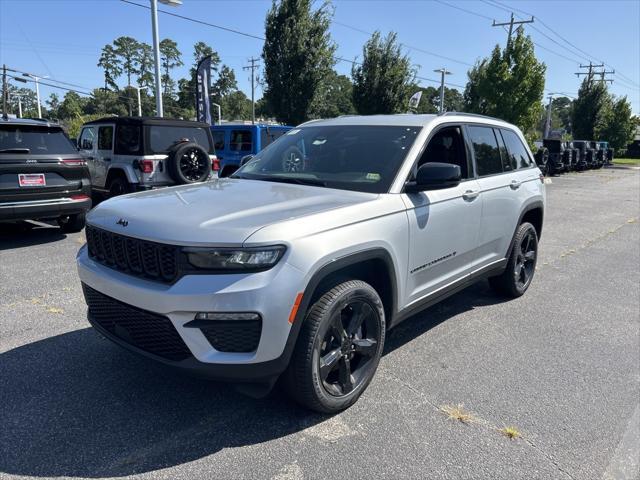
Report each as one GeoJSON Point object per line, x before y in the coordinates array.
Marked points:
{"type": "Point", "coordinates": [220, 212]}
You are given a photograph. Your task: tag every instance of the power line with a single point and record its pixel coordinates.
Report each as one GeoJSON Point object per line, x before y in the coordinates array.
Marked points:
{"type": "Point", "coordinates": [257, 37]}
{"type": "Point", "coordinates": [588, 57]}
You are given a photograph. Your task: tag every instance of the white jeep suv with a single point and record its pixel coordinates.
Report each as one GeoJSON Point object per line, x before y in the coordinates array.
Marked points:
{"type": "Point", "coordinates": [299, 272]}
{"type": "Point", "coordinates": [128, 154]}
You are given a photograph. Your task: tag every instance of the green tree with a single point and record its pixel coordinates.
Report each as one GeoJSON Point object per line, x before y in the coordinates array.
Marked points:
{"type": "Point", "coordinates": [53, 104]}
{"type": "Point", "coordinates": [298, 55]}
{"type": "Point", "coordinates": [509, 84]}
{"type": "Point", "coordinates": [381, 83]}
{"type": "Point", "coordinates": [126, 50]}
{"type": "Point", "coordinates": [236, 106]}
{"type": "Point", "coordinates": [333, 98]}
{"type": "Point", "coordinates": [170, 58]}
{"type": "Point", "coordinates": [110, 62]}
{"type": "Point", "coordinates": [25, 97]}
{"type": "Point", "coordinates": [430, 101]}
{"type": "Point", "coordinates": [145, 63]}
{"type": "Point", "coordinates": [72, 106]}
{"type": "Point", "coordinates": [619, 124]}
{"type": "Point", "coordinates": [590, 108]}
{"type": "Point", "coordinates": [561, 107]}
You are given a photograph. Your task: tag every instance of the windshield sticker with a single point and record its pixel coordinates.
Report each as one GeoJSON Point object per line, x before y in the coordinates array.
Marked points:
{"type": "Point", "coordinates": [293, 132]}
{"type": "Point", "coordinates": [373, 176]}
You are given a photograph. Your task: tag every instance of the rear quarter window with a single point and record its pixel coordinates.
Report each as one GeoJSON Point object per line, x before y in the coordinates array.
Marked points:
{"type": "Point", "coordinates": [516, 149]}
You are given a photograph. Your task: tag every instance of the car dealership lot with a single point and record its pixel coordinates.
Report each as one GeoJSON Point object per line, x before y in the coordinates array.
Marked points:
{"type": "Point", "coordinates": [561, 364]}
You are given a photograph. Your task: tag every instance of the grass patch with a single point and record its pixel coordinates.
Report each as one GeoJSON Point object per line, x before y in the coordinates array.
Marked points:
{"type": "Point", "coordinates": [627, 161]}
{"type": "Point", "coordinates": [457, 412]}
{"type": "Point", "coordinates": [510, 432]}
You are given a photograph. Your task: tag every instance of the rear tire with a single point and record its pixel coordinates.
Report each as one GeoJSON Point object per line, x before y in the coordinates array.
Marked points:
{"type": "Point", "coordinates": [521, 267]}
{"type": "Point", "coordinates": [118, 186]}
{"type": "Point", "coordinates": [72, 223]}
{"type": "Point", "coordinates": [339, 348]}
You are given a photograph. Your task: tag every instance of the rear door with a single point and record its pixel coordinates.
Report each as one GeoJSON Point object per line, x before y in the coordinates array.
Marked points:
{"type": "Point", "coordinates": [104, 153]}
{"type": "Point", "coordinates": [87, 144]}
{"type": "Point", "coordinates": [499, 183]}
{"type": "Point", "coordinates": [240, 144]}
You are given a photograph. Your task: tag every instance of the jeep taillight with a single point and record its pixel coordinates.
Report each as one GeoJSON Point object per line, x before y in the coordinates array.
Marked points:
{"type": "Point", "coordinates": [76, 162]}
{"type": "Point", "coordinates": [215, 163]}
{"type": "Point", "coordinates": [146, 166]}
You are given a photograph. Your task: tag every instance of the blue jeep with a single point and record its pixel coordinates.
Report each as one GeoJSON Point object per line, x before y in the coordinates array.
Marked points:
{"type": "Point", "coordinates": [233, 141]}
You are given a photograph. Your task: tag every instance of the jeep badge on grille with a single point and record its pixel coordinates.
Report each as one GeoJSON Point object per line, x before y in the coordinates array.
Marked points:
{"type": "Point", "coordinates": [122, 222]}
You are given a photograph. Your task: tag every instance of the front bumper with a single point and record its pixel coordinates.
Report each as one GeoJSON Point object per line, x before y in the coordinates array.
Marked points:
{"type": "Point", "coordinates": [271, 294]}
{"type": "Point", "coordinates": [35, 209]}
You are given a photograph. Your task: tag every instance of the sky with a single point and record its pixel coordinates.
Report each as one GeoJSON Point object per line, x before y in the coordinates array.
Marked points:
{"type": "Point", "coordinates": [63, 38]}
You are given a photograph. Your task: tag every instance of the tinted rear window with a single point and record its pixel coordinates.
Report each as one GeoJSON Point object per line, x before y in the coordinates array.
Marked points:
{"type": "Point", "coordinates": [161, 138]}
{"type": "Point", "coordinates": [270, 135]}
{"type": "Point", "coordinates": [35, 139]}
{"type": "Point", "coordinates": [517, 151]}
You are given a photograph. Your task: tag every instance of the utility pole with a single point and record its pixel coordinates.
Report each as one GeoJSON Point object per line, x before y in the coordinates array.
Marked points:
{"type": "Point", "coordinates": [590, 74]}
{"type": "Point", "coordinates": [547, 124]}
{"type": "Point", "coordinates": [252, 67]}
{"type": "Point", "coordinates": [442, 71]}
{"type": "Point", "coordinates": [511, 23]}
{"type": "Point", "coordinates": [5, 92]}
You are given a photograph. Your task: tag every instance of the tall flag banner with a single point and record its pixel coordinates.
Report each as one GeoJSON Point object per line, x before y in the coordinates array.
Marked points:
{"type": "Point", "coordinates": [203, 86]}
{"type": "Point", "coordinates": [414, 101]}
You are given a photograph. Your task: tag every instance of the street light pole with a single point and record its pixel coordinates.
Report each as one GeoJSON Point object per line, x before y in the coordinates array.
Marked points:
{"type": "Point", "coordinates": [36, 80]}
{"type": "Point", "coordinates": [443, 71]}
{"type": "Point", "coordinates": [139, 100]}
{"type": "Point", "coordinates": [156, 56]}
{"type": "Point", "coordinates": [219, 112]}
{"type": "Point", "coordinates": [156, 48]}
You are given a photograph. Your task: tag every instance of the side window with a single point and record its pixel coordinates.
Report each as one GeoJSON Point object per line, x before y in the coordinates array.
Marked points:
{"type": "Point", "coordinates": [447, 146]}
{"type": "Point", "coordinates": [270, 135]}
{"type": "Point", "coordinates": [516, 148]}
{"type": "Point", "coordinates": [128, 140]}
{"type": "Point", "coordinates": [87, 138]}
{"type": "Point", "coordinates": [485, 147]}
{"type": "Point", "coordinates": [105, 138]}
{"type": "Point", "coordinates": [218, 139]}
{"type": "Point", "coordinates": [241, 140]}
{"type": "Point", "coordinates": [509, 162]}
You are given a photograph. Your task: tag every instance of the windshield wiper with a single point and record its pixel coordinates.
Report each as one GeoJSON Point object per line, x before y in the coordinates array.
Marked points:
{"type": "Point", "coordinates": [295, 180]}
{"type": "Point", "coordinates": [15, 150]}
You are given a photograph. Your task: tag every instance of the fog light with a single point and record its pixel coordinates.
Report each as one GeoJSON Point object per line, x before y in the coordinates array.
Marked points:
{"type": "Point", "coordinates": [227, 316]}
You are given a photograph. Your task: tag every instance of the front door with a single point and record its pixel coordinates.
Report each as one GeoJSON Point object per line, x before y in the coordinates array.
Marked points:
{"type": "Point", "coordinates": [443, 224]}
{"type": "Point", "coordinates": [104, 153]}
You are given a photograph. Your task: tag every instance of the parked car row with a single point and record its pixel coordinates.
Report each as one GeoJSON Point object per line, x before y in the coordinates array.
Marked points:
{"type": "Point", "coordinates": [555, 156]}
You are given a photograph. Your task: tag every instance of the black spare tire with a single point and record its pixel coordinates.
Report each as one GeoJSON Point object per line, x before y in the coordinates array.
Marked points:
{"type": "Point", "coordinates": [188, 162]}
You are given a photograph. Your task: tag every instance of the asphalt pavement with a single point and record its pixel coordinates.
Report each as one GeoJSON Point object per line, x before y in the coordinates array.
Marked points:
{"type": "Point", "coordinates": [560, 365]}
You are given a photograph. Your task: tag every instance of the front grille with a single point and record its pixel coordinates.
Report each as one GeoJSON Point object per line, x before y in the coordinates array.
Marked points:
{"type": "Point", "coordinates": [145, 330]}
{"type": "Point", "coordinates": [154, 261]}
{"type": "Point", "coordinates": [234, 335]}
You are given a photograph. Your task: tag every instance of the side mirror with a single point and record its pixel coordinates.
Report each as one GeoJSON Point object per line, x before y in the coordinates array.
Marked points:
{"type": "Point", "coordinates": [246, 159]}
{"type": "Point", "coordinates": [435, 176]}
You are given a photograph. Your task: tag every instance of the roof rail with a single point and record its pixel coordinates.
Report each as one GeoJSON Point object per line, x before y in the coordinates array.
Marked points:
{"type": "Point", "coordinates": [446, 114]}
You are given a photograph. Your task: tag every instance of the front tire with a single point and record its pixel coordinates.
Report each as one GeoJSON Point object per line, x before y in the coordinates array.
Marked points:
{"type": "Point", "coordinates": [518, 274]}
{"type": "Point", "coordinates": [72, 223]}
{"type": "Point", "coordinates": [339, 348]}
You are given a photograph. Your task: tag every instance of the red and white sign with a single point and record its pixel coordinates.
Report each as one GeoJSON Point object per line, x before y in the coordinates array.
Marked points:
{"type": "Point", "coordinates": [31, 180]}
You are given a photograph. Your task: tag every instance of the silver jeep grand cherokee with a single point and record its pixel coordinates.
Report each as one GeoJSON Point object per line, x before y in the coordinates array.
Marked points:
{"type": "Point", "coordinates": [298, 264]}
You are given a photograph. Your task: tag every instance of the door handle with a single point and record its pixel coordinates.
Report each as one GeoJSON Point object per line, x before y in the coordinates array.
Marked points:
{"type": "Point", "coordinates": [470, 194]}
{"type": "Point", "coordinates": [515, 184]}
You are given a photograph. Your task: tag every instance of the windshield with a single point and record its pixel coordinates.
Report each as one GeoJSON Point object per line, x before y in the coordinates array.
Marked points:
{"type": "Point", "coordinates": [353, 157]}
{"type": "Point", "coordinates": [162, 138]}
{"type": "Point", "coordinates": [34, 139]}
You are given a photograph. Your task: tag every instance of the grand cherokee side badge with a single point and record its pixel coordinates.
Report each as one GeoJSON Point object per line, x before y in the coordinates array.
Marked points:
{"type": "Point", "coordinates": [122, 222]}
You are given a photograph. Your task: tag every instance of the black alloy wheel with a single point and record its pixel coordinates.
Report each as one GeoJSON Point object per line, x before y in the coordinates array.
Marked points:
{"type": "Point", "coordinates": [521, 263]}
{"type": "Point", "coordinates": [348, 347]}
{"type": "Point", "coordinates": [525, 259]}
{"type": "Point", "coordinates": [193, 164]}
{"type": "Point", "coordinates": [338, 349]}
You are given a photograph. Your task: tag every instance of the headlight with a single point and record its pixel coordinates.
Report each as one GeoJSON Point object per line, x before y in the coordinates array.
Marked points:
{"type": "Point", "coordinates": [241, 259]}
